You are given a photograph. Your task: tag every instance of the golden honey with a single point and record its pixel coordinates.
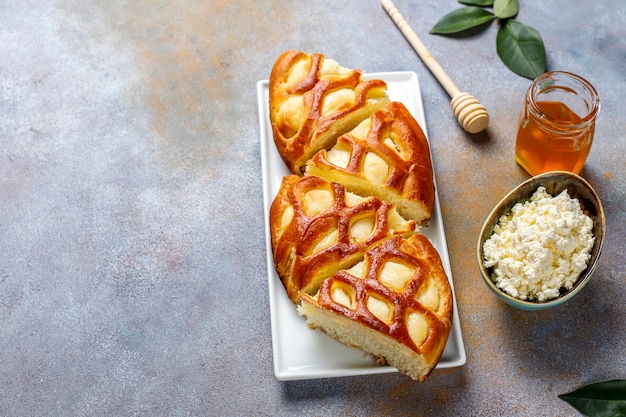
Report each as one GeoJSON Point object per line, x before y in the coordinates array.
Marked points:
{"type": "Point", "coordinates": [557, 124]}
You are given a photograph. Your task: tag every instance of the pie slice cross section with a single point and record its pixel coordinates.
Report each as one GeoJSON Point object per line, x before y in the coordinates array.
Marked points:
{"type": "Point", "coordinates": [317, 228]}
{"type": "Point", "coordinates": [313, 100]}
{"type": "Point", "coordinates": [388, 156]}
{"type": "Point", "coordinates": [396, 305]}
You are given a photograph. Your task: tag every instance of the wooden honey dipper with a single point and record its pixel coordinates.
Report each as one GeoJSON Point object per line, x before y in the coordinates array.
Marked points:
{"type": "Point", "coordinates": [472, 115]}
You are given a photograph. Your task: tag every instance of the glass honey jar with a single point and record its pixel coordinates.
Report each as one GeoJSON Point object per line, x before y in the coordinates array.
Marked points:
{"type": "Point", "coordinates": [557, 123]}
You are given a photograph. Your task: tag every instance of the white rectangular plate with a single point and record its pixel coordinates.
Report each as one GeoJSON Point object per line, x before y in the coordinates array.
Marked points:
{"type": "Point", "coordinates": [304, 353]}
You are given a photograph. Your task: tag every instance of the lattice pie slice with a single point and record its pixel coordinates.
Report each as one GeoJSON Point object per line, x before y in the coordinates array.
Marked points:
{"type": "Point", "coordinates": [395, 305]}
{"type": "Point", "coordinates": [318, 228]}
{"type": "Point", "coordinates": [313, 100]}
{"type": "Point", "coordinates": [387, 156]}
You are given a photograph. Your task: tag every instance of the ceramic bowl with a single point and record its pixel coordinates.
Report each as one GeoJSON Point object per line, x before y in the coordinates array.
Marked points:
{"type": "Point", "coordinates": [554, 182]}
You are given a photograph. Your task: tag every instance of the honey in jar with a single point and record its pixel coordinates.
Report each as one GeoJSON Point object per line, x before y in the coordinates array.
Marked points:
{"type": "Point", "coordinates": [557, 123]}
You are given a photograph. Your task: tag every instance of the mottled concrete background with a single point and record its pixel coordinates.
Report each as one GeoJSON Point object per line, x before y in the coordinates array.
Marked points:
{"type": "Point", "coordinates": [132, 254]}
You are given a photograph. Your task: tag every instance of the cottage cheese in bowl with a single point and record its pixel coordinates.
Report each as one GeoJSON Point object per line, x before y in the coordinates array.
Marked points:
{"type": "Point", "coordinates": [540, 247]}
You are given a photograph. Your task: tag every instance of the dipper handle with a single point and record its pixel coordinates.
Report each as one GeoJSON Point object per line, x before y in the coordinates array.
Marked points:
{"type": "Point", "coordinates": [472, 115]}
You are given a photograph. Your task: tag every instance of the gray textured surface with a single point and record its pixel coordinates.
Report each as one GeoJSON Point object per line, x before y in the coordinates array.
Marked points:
{"type": "Point", "coordinates": [132, 254]}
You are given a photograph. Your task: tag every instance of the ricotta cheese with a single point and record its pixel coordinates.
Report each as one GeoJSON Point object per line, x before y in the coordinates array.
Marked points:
{"type": "Point", "coordinates": [541, 246]}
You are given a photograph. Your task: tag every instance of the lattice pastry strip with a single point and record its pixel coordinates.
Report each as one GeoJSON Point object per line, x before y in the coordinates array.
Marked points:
{"type": "Point", "coordinates": [318, 228]}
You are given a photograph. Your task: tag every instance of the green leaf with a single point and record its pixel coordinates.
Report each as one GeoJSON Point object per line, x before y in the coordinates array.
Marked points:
{"type": "Point", "coordinates": [521, 49]}
{"type": "Point", "coordinates": [505, 9]}
{"type": "Point", "coordinates": [482, 3]}
{"type": "Point", "coordinates": [462, 19]}
{"type": "Point", "coordinates": [602, 399]}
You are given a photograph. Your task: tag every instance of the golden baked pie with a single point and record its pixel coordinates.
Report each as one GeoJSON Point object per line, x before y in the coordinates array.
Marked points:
{"type": "Point", "coordinates": [343, 224]}
{"type": "Point", "coordinates": [387, 155]}
{"type": "Point", "coordinates": [317, 228]}
{"type": "Point", "coordinates": [395, 305]}
{"type": "Point", "coordinates": [313, 100]}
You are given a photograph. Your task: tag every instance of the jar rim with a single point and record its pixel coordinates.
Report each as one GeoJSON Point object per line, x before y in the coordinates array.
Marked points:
{"type": "Point", "coordinates": [564, 80]}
